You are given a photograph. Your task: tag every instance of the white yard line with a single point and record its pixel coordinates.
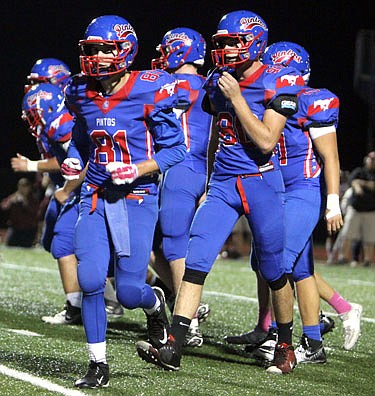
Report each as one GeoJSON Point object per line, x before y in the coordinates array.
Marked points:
{"type": "Point", "coordinates": [28, 268]}
{"type": "Point", "coordinates": [39, 382]}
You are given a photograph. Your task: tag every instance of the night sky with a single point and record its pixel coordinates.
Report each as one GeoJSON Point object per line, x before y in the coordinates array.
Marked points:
{"type": "Point", "coordinates": [37, 29]}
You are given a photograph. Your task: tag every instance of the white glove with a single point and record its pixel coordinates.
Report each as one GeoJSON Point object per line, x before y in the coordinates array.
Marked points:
{"type": "Point", "coordinates": [71, 168]}
{"type": "Point", "coordinates": [122, 173]}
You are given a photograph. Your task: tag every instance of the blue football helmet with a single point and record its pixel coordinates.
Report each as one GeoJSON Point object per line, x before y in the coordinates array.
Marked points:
{"type": "Point", "coordinates": [245, 33]}
{"type": "Point", "coordinates": [40, 105]}
{"type": "Point", "coordinates": [178, 47]}
{"type": "Point", "coordinates": [288, 54]}
{"type": "Point", "coordinates": [48, 70]}
{"type": "Point", "coordinates": [112, 35]}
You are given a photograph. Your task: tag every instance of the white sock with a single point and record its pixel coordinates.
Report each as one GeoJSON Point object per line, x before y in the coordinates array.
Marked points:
{"type": "Point", "coordinates": [97, 352]}
{"type": "Point", "coordinates": [75, 299]}
{"type": "Point", "coordinates": [150, 311]}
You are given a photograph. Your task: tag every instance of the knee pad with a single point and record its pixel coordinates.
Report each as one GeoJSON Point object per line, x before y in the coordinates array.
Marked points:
{"type": "Point", "coordinates": [194, 276]}
{"type": "Point", "coordinates": [130, 296]}
{"type": "Point", "coordinates": [278, 283]}
{"type": "Point", "coordinates": [90, 282]}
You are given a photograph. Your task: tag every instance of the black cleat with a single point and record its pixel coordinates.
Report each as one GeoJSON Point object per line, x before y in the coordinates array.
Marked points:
{"type": "Point", "coordinates": [265, 351]}
{"type": "Point", "coordinates": [327, 324]}
{"type": "Point", "coordinates": [97, 376]}
{"type": "Point", "coordinates": [310, 351]}
{"type": "Point", "coordinates": [157, 323]}
{"type": "Point", "coordinates": [166, 357]}
{"type": "Point", "coordinates": [254, 337]}
{"type": "Point", "coordinates": [68, 316]}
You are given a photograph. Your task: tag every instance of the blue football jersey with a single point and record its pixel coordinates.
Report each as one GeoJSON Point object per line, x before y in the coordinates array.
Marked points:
{"type": "Point", "coordinates": [237, 153]}
{"type": "Point", "coordinates": [195, 122]}
{"type": "Point", "coordinates": [53, 141]}
{"type": "Point", "coordinates": [132, 125]}
{"type": "Point", "coordinates": [317, 108]}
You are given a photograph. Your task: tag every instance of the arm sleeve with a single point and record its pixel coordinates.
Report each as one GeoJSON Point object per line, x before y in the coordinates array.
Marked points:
{"type": "Point", "coordinates": [169, 138]}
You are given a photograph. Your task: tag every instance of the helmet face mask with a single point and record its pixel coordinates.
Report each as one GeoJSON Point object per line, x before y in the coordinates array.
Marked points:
{"type": "Point", "coordinates": [109, 47]}
{"type": "Point", "coordinates": [40, 105]}
{"type": "Point", "coordinates": [241, 36]}
{"type": "Point", "coordinates": [178, 47]}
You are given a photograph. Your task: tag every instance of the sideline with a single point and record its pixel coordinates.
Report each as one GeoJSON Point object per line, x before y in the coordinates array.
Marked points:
{"type": "Point", "coordinates": [41, 383]}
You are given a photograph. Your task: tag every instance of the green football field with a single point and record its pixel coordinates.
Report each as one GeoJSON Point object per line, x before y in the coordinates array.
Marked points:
{"type": "Point", "coordinates": [41, 359]}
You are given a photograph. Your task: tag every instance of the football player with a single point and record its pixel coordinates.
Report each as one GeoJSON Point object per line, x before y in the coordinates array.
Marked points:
{"type": "Point", "coordinates": [127, 132]}
{"type": "Point", "coordinates": [49, 70]}
{"type": "Point", "coordinates": [182, 51]}
{"type": "Point", "coordinates": [251, 103]}
{"type": "Point", "coordinates": [51, 124]}
{"type": "Point", "coordinates": [310, 166]}
{"type": "Point", "coordinates": [311, 170]}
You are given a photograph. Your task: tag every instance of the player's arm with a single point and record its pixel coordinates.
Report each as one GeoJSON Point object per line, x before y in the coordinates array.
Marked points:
{"type": "Point", "coordinates": [62, 194]}
{"type": "Point", "coordinates": [24, 164]}
{"type": "Point", "coordinates": [265, 134]}
{"type": "Point", "coordinates": [326, 145]}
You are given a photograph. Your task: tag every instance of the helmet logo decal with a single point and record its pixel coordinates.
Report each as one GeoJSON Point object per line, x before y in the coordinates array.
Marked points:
{"type": "Point", "coordinates": [252, 22]}
{"type": "Point", "coordinates": [173, 37]}
{"type": "Point", "coordinates": [56, 69]}
{"type": "Point", "coordinates": [123, 30]}
{"type": "Point", "coordinates": [285, 56]}
{"type": "Point", "coordinates": [34, 99]}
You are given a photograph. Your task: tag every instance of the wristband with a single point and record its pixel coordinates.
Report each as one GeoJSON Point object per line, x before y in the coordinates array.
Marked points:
{"type": "Point", "coordinates": [333, 206]}
{"type": "Point", "coordinates": [32, 166]}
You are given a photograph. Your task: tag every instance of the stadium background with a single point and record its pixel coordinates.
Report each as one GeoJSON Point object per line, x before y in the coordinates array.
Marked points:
{"type": "Point", "coordinates": [328, 30]}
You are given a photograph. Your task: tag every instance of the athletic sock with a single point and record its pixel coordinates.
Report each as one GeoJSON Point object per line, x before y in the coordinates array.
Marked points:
{"type": "Point", "coordinates": [97, 352]}
{"type": "Point", "coordinates": [312, 332]}
{"type": "Point", "coordinates": [339, 304]}
{"type": "Point", "coordinates": [264, 318]}
{"type": "Point", "coordinates": [75, 299]}
{"type": "Point", "coordinates": [285, 332]}
{"type": "Point", "coordinates": [179, 328]}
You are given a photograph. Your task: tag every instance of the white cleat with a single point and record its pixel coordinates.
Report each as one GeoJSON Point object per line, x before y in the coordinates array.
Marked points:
{"type": "Point", "coordinates": [351, 322]}
{"type": "Point", "coordinates": [59, 318]}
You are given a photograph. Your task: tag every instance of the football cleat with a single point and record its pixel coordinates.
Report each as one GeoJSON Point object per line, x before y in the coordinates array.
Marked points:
{"type": "Point", "coordinates": [157, 323]}
{"type": "Point", "coordinates": [68, 316]}
{"type": "Point", "coordinates": [254, 337]}
{"type": "Point", "coordinates": [203, 312]}
{"type": "Point", "coordinates": [97, 376]}
{"type": "Point", "coordinates": [166, 357]}
{"type": "Point", "coordinates": [113, 309]}
{"type": "Point", "coordinates": [327, 324]}
{"type": "Point", "coordinates": [351, 322]}
{"type": "Point", "coordinates": [265, 351]}
{"type": "Point", "coordinates": [194, 337]}
{"type": "Point", "coordinates": [284, 360]}
{"type": "Point", "coordinates": [309, 353]}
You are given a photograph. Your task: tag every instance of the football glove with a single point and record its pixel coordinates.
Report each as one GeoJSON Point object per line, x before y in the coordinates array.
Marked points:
{"type": "Point", "coordinates": [122, 173]}
{"type": "Point", "coordinates": [71, 168]}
